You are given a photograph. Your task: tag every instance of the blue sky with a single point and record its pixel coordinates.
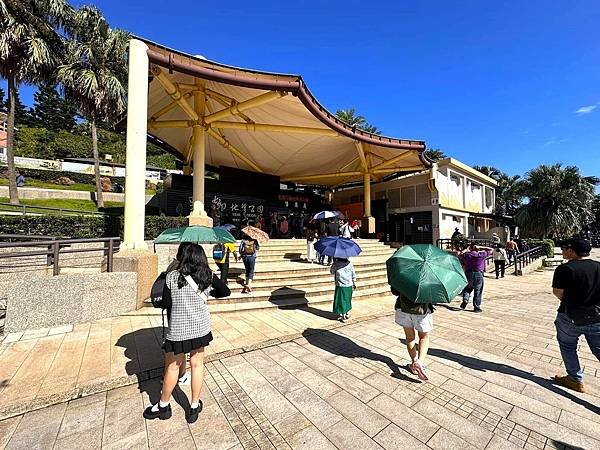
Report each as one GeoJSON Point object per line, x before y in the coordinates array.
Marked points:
{"type": "Point", "coordinates": [506, 83]}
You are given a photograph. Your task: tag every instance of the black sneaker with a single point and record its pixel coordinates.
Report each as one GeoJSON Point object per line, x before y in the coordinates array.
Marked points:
{"type": "Point", "coordinates": [162, 413]}
{"type": "Point", "coordinates": [463, 305]}
{"type": "Point", "coordinates": [477, 310]}
{"type": "Point", "coordinates": [194, 412]}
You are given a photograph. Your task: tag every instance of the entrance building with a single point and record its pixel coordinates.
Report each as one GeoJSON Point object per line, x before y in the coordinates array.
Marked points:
{"type": "Point", "coordinates": [207, 113]}
{"type": "Point", "coordinates": [425, 206]}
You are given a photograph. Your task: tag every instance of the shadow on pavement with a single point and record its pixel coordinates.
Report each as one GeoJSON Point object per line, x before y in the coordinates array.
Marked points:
{"type": "Point", "coordinates": [483, 365]}
{"type": "Point", "coordinates": [282, 296]}
{"type": "Point", "coordinates": [343, 346]}
{"type": "Point", "coordinates": [146, 362]}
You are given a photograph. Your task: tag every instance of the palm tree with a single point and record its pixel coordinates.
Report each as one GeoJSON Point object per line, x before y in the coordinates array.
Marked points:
{"type": "Point", "coordinates": [94, 74]}
{"type": "Point", "coordinates": [560, 201]}
{"type": "Point", "coordinates": [435, 154]}
{"type": "Point", "coordinates": [349, 117]}
{"type": "Point", "coordinates": [30, 48]}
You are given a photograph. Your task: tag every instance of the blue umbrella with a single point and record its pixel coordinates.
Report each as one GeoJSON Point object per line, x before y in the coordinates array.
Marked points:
{"type": "Point", "coordinates": [337, 247]}
{"type": "Point", "coordinates": [227, 227]}
{"type": "Point", "coordinates": [327, 215]}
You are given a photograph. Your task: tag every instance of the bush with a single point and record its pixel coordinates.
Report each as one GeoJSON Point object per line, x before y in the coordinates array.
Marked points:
{"type": "Point", "coordinates": [80, 227]}
{"type": "Point", "coordinates": [51, 175]}
{"type": "Point", "coordinates": [157, 224]}
{"type": "Point", "coordinates": [548, 245]}
{"type": "Point", "coordinates": [76, 227]}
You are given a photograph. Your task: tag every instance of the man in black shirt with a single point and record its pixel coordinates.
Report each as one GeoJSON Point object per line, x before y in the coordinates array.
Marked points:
{"type": "Point", "coordinates": [577, 285]}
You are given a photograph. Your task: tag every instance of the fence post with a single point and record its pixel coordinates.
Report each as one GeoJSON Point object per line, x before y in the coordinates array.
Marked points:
{"type": "Point", "coordinates": [49, 255]}
{"type": "Point", "coordinates": [56, 250]}
{"type": "Point", "coordinates": [109, 260]}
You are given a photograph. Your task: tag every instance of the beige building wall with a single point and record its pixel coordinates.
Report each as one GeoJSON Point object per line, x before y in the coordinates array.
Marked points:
{"type": "Point", "coordinates": [458, 192]}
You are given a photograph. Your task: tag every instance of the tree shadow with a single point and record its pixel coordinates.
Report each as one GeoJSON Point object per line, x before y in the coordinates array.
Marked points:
{"type": "Point", "coordinates": [290, 299]}
{"type": "Point", "coordinates": [482, 365]}
{"type": "Point", "coordinates": [346, 347]}
{"type": "Point", "coordinates": [146, 362]}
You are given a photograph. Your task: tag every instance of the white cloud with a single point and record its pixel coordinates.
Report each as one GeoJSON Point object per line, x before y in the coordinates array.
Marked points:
{"type": "Point", "coordinates": [586, 110]}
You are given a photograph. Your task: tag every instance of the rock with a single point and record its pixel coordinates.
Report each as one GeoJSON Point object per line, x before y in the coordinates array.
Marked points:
{"type": "Point", "coordinates": [64, 181]}
{"type": "Point", "coordinates": [106, 184]}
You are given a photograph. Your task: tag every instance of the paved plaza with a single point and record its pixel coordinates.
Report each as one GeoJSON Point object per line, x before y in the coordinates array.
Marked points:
{"type": "Point", "coordinates": [296, 379]}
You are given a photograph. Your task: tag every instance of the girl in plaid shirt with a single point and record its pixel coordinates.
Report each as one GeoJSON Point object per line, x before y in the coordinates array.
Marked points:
{"type": "Point", "coordinates": [189, 327]}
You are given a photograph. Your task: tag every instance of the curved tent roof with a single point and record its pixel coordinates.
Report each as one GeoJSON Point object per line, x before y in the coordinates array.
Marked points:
{"type": "Point", "coordinates": [266, 122]}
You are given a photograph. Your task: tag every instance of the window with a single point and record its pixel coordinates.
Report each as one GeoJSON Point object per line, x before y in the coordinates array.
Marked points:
{"type": "Point", "coordinates": [423, 195]}
{"type": "Point", "coordinates": [394, 196]}
{"type": "Point", "coordinates": [408, 197]}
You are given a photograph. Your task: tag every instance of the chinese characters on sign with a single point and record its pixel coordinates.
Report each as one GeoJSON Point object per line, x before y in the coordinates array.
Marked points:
{"type": "Point", "coordinates": [237, 209]}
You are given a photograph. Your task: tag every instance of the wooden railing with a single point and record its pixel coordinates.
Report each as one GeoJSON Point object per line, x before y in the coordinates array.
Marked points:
{"type": "Point", "coordinates": [54, 248]}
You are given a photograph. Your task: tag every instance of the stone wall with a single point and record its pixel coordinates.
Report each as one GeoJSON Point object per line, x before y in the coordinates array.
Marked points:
{"type": "Point", "coordinates": [39, 302]}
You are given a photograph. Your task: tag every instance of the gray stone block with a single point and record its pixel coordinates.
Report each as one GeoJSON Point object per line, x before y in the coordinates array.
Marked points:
{"type": "Point", "coordinates": [37, 302]}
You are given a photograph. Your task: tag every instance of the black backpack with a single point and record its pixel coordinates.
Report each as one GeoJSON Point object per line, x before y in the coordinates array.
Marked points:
{"type": "Point", "coordinates": [160, 296]}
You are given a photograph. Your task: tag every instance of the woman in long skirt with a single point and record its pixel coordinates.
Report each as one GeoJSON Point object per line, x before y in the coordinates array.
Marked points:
{"type": "Point", "coordinates": [345, 283]}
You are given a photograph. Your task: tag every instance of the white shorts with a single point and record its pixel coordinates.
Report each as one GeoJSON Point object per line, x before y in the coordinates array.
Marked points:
{"type": "Point", "coordinates": [420, 322]}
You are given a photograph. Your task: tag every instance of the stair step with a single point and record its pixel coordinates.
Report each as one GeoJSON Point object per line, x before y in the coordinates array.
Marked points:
{"type": "Point", "coordinates": [289, 302]}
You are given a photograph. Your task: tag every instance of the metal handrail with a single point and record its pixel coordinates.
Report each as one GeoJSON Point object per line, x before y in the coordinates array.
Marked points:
{"type": "Point", "coordinates": [525, 258]}
{"type": "Point", "coordinates": [57, 247]}
{"type": "Point", "coordinates": [24, 209]}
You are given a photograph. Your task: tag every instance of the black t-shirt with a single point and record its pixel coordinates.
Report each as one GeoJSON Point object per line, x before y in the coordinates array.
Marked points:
{"type": "Point", "coordinates": [580, 280]}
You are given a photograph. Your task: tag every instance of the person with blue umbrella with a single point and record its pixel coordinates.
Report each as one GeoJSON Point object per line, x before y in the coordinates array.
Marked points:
{"type": "Point", "coordinates": [340, 249]}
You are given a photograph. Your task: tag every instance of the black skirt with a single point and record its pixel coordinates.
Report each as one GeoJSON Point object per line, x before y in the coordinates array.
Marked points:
{"type": "Point", "coordinates": [178, 347]}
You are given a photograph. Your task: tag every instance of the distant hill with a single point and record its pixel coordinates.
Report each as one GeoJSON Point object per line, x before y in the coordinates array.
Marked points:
{"type": "Point", "coordinates": [42, 143]}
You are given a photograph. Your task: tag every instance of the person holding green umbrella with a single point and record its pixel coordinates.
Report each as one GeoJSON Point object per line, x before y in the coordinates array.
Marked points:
{"type": "Point", "coordinates": [421, 275]}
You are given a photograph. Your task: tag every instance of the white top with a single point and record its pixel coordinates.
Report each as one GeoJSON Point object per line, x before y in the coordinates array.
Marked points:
{"type": "Point", "coordinates": [499, 255]}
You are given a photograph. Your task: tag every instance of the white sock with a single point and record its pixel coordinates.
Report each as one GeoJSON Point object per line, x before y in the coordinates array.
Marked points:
{"type": "Point", "coordinates": [195, 404]}
{"type": "Point", "coordinates": [161, 404]}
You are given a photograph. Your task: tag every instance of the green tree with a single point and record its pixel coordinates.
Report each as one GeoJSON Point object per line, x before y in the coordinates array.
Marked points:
{"type": "Point", "coordinates": [509, 191]}
{"type": "Point", "coordinates": [560, 201]}
{"type": "Point", "coordinates": [349, 117]}
{"type": "Point", "coordinates": [50, 110]}
{"type": "Point", "coordinates": [435, 154]}
{"type": "Point", "coordinates": [95, 73]}
{"type": "Point", "coordinates": [30, 48]}
{"type": "Point", "coordinates": [22, 113]}
{"type": "Point", "coordinates": [2, 102]}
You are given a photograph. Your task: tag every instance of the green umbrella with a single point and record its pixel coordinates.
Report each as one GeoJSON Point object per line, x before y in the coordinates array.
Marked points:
{"type": "Point", "coordinates": [425, 274]}
{"type": "Point", "coordinates": [197, 234]}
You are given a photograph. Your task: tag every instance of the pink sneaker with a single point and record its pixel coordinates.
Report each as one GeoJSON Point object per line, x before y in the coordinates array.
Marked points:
{"type": "Point", "coordinates": [418, 370]}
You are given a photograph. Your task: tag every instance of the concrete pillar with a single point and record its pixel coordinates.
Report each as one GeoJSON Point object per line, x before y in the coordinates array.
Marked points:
{"type": "Point", "coordinates": [198, 215]}
{"type": "Point", "coordinates": [134, 255]}
{"type": "Point", "coordinates": [135, 169]}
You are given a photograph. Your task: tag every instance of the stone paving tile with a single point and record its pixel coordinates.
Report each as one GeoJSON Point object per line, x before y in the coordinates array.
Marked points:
{"type": "Point", "coordinates": [393, 437]}
{"type": "Point", "coordinates": [413, 423]}
{"type": "Point", "coordinates": [580, 424]}
{"type": "Point", "coordinates": [347, 436]}
{"type": "Point", "coordinates": [310, 438]}
{"type": "Point", "coordinates": [319, 412]}
{"type": "Point", "coordinates": [7, 428]}
{"type": "Point", "coordinates": [445, 440]}
{"type": "Point", "coordinates": [552, 430]}
{"type": "Point", "coordinates": [480, 397]}
{"type": "Point", "coordinates": [38, 429]}
{"type": "Point", "coordinates": [354, 385]}
{"type": "Point", "coordinates": [457, 425]}
{"type": "Point", "coordinates": [365, 418]}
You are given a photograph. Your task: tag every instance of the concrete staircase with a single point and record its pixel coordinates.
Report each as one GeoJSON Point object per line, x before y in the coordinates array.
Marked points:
{"type": "Point", "coordinates": [285, 279]}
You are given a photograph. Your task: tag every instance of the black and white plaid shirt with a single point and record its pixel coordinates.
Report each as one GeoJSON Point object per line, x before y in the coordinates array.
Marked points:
{"type": "Point", "coordinates": [189, 314]}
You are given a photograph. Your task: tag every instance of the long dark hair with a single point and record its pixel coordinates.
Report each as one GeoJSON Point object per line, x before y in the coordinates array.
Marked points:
{"type": "Point", "coordinates": [193, 262]}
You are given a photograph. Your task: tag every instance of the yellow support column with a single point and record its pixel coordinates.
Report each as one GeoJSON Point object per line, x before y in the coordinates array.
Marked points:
{"type": "Point", "coordinates": [198, 215]}
{"type": "Point", "coordinates": [368, 222]}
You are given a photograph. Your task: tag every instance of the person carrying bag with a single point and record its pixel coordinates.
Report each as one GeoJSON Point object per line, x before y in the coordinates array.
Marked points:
{"type": "Point", "coordinates": [189, 329]}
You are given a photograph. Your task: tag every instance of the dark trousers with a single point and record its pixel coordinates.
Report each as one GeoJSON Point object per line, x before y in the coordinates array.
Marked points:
{"type": "Point", "coordinates": [322, 259]}
{"type": "Point", "coordinates": [224, 269]}
{"type": "Point", "coordinates": [475, 280]}
{"type": "Point", "coordinates": [499, 265]}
